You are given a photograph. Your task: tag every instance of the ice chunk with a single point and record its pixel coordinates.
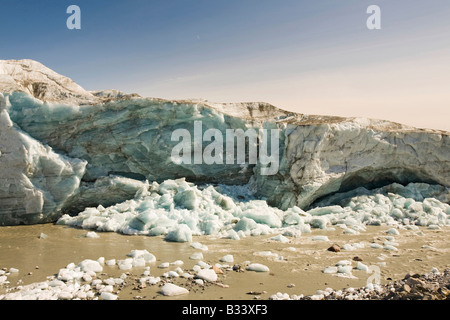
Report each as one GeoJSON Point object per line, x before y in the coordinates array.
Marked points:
{"type": "Point", "coordinates": [345, 269]}
{"type": "Point", "coordinates": [320, 238]}
{"type": "Point", "coordinates": [330, 270]}
{"type": "Point", "coordinates": [198, 245]}
{"type": "Point", "coordinates": [203, 264]}
{"type": "Point", "coordinates": [181, 233]}
{"type": "Point", "coordinates": [196, 256]}
{"type": "Point", "coordinates": [393, 231]}
{"type": "Point", "coordinates": [257, 267]}
{"type": "Point", "coordinates": [138, 262]}
{"type": "Point", "coordinates": [108, 296]}
{"type": "Point", "coordinates": [207, 275]}
{"type": "Point", "coordinates": [179, 270]}
{"type": "Point", "coordinates": [233, 235]}
{"type": "Point", "coordinates": [269, 254]}
{"type": "Point", "coordinates": [125, 264]}
{"type": "Point", "coordinates": [280, 238]}
{"type": "Point", "coordinates": [361, 266]}
{"type": "Point", "coordinates": [318, 222]}
{"type": "Point", "coordinates": [144, 254]}
{"type": "Point", "coordinates": [177, 263]}
{"type": "Point", "coordinates": [170, 289]}
{"type": "Point", "coordinates": [153, 280]}
{"type": "Point", "coordinates": [173, 274]}
{"type": "Point", "coordinates": [92, 234]}
{"type": "Point", "coordinates": [43, 236]}
{"type": "Point", "coordinates": [294, 232]}
{"type": "Point", "coordinates": [390, 247]}
{"type": "Point", "coordinates": [227, 258]}
{"type": "Point", "coordinates": [344, 263]}
{"type": "Point", "coordinates": [90, 265]}
{"type": "Point", "coordinates": [110, 262]}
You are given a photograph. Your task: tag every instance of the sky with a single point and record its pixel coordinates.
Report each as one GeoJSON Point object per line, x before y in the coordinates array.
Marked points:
{"type": "Point", "coordinates": [312, 57]}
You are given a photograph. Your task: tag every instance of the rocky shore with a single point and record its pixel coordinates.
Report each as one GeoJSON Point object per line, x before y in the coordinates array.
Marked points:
{"type": "Point", "coordinates": [431, 286]}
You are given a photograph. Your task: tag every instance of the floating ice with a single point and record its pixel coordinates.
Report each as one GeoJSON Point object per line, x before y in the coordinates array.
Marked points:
{"type": "Point", "coordinates": [180, 233]}
{"type": "Point", "coordinates": [393, 231]}
{"type": "Point", "coordinates": [227, 258]}
{"type": "Point", "coordinates": [203, 264]}
{"type": "Point", "coordinates": [108, 296]}
{"type": "Point", "coordinates": [177, 263]}
{"type": "Point", "coordinates": [92, 234]}
{"type": "Point", "coordinates": [110, 262]}
{"type": "Point", "coordinates": [125, 264]}
{"type": "Point", "coordinates": [196, 256]}
{"type": "Point", "coordinates": [90, 265]}
{"type": "Point", "coordinates": [170, 289]}
{"type": "Point", "coordinates": [345, 269]}
{"type": "Point", "coordinates": [390, 247]}
{"type": "Point", "coordinates": [280, 238]}
{"type": "Point", "coordinates": [352, 246]}
{"type": "Point", "coordinates": [207, 275]}
{"type": "Point", "coordinates": [343, 263]}
{"type": "Point", "coordinates": [144, 254]}
{"type": "Point", "coordinates": [320, 238]}
{"type": "Point", "coordinates": [361, 266]}
{"type": "Point", "coordinates": [257, 267]}
{"type": "Point", "coordinates": [43, 236]}
{"type": "Point", "coordinates": [198, 245]}
{"type": "Point", "coordinates": [330, 270]}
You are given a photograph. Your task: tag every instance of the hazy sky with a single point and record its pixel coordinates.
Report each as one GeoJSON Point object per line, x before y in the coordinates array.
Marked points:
{"type": "Point", "coordinates": [315, 56]}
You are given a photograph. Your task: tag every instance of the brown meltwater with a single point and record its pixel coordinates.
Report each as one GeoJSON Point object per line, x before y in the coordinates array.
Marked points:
{"type": "Point", "coordinates": [295, 267]}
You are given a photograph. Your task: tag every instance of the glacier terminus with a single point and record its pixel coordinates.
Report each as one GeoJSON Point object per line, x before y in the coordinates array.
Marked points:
{"type": "Point", "coordinates": [105, 160]}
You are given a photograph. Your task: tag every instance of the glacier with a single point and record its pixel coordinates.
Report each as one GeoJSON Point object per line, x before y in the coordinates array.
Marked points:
{"type": "Point", "coordinates": [102, 160]}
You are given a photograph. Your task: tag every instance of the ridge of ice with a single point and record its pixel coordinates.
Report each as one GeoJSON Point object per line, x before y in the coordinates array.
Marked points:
{"type": "Point", "coordinates": [158, 208]}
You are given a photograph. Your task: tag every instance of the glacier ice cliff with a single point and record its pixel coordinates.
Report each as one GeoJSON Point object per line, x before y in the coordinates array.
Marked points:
{"type": "Point", "coordinates": [105, 147]}
{"type": "Point", "coordinates": [35, 181]}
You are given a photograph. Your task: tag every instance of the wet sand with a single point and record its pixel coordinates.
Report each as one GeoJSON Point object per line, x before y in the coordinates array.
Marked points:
{"type": "Point", "coordinates": [299, 271]}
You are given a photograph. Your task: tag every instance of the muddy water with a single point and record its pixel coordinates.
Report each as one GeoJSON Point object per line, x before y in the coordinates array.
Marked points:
{"type": "Point", "coordinates": [297, 270]}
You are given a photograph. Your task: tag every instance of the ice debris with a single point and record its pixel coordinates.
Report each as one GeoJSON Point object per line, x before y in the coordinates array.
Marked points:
{"type": "Point", "coordinates": [180, 210]}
